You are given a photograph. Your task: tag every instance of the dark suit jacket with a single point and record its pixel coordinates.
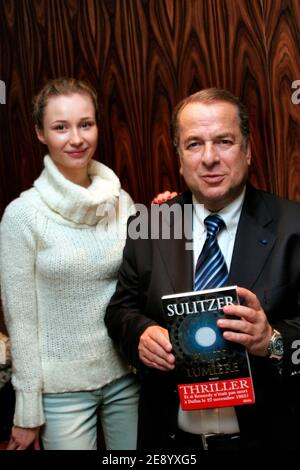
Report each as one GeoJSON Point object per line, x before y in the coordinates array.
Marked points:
{"type": "Point", "coordinates": [266, 260]}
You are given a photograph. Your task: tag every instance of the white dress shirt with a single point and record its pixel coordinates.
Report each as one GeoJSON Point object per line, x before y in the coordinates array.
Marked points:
{"type": "Point", "coordinates": [213, 420]}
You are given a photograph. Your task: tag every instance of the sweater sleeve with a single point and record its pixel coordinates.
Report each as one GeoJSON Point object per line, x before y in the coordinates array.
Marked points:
{"type": "Point", "coordinates": [18, 290]}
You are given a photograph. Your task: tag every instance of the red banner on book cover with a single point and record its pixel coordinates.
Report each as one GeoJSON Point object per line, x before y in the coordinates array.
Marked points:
{"type": "Point", "coordinates": [216, 394]}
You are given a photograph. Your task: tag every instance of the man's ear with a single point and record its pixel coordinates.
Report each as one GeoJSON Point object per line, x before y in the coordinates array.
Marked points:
{"type": "Point", "coordinates": [180, 161]}
{"type": "Point", "coordinates": [249, 154]}
{"type": "Point", "coordinates": [40, 135]}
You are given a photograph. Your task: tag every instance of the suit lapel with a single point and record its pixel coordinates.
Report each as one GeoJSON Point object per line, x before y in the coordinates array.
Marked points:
{"type": "Point", "coordinates": [254, 241]}
{"type": "Point", "coordinates": [177, 254]}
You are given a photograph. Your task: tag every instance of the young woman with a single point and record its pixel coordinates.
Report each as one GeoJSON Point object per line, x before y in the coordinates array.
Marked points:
{"type": "Point", "coordinates": [59, 261]}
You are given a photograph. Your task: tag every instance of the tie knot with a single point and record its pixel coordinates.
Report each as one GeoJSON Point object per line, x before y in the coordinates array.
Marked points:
{"type": "Point", "coordinates": [214, 223]}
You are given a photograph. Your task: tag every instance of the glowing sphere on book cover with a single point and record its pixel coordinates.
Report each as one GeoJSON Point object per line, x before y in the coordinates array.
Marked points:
{"type": "Point", "coordinates": [205, 336]}
{"type": "Point", "coordinates": [199, 333]}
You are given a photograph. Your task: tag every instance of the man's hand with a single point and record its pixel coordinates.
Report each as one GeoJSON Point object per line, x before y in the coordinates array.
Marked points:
{"type": "Point", "coordinates": [22, 438]}
{"type": "Point", "coordinates": [155, 349]}
{"type": "Point", "coordinates": [252, 329]}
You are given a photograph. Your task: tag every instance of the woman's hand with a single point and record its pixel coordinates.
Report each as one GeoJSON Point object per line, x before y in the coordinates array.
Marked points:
{"type": "Point", "coordinates": [22, 438]}
{"type": "Point", "coordinates": [163, 197]}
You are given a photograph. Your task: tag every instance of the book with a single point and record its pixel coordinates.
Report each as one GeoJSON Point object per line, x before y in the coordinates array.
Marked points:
{"type": "Point", "coordinates": [212, 372]}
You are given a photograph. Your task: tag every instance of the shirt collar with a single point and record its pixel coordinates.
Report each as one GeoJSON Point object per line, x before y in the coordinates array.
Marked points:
{"type": "Point", "coordinates": [230, 214]}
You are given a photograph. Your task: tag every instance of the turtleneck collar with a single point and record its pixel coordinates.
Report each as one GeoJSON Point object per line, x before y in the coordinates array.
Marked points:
{"type": "Point", "coordinates": [76, 203]}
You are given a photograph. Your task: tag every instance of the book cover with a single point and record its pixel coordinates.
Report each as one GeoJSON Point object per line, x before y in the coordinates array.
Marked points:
{"type": "Point", "coordinates": [212, 372]}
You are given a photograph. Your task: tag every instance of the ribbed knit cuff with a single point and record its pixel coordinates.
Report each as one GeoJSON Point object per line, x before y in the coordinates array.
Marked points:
{"type": "Point", "coordinates": [29, 409]}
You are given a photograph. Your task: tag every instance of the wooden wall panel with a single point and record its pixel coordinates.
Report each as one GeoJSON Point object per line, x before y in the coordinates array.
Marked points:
{"type": "Point", "coordinates": [282, 22]}
{"type": "Point", "coordinates": [143, 56]}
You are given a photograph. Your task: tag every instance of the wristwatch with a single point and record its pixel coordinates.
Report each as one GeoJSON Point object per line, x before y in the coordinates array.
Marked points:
{"type": "Point", "coordinates": [275, 346]}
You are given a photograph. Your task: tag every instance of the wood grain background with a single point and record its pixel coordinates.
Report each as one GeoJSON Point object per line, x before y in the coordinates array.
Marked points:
{"type": "Point", "coordinates": [143, 56]}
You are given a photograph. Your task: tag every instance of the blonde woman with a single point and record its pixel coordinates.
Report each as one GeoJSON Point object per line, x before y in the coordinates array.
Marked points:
{"type": "Point", "coordinates": [58, 271]}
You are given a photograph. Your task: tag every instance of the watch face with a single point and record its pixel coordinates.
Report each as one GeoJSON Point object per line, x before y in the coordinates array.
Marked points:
{"type": "Point", "coordinates": [278, 346]}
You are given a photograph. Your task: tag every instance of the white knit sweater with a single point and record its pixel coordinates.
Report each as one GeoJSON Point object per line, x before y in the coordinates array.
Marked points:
{"type": "Point", "coordinates": [59, 263]}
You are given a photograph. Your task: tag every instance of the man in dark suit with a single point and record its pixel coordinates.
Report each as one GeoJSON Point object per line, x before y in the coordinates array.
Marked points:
{"type": "Point", "coordinates": [260, 242]}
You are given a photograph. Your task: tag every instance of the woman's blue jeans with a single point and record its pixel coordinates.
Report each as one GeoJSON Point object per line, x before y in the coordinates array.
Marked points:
{"type": "Point", "coordinates": [71, 418]}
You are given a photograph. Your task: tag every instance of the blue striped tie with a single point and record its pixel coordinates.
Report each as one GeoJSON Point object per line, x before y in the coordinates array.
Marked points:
{"type": "Point", "coordinates": [211, 270]}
